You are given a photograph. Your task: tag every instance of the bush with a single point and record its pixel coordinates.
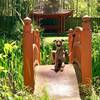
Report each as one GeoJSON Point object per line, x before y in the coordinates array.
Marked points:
{"type": "Point", "coordinates": [96, 83]}
{"type": "Point", "coordinates": [95, 55]}
{"type": "Point", "coordinates": [11, 73]}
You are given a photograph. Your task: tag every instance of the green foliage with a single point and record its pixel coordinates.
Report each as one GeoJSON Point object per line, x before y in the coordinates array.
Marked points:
{"type": "Point", "coordinates": [8, 7]}
{"type": "Point", "coordinates": [11, 73]}
{"type": "Point", "coordinates": [95, 27]}
{"type": "Point", "coordinates": [81, 7]}
{"type": "Point", "coordinates": [7, 24]}
{"type": "Point", "coordinates": [96, 64]}
{"type": "Point", "coordinates": [16, 32]}
{"type": "Point", "coordinates": [11, 60]}
{"type": "Point", "coordinates": [96, 83]}
{"type": "Point", "coordinates": [87, 93]}
{"type": "Point", "coordinates": [98, 7]}
{"type": "Point", "coordinates": [51, 6]}
{"type": "Point", "coordinates": [96, 55]}
{"type": "Point", "coordinates": [7, 92]}
{"type": "Point", "coordinates": [45, 53]}
{"type": "Point", "coordinates": [46, 50]}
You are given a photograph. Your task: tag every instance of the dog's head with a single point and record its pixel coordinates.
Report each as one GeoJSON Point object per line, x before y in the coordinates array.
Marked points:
{"type": "Point", "coordinates": [58, 43]}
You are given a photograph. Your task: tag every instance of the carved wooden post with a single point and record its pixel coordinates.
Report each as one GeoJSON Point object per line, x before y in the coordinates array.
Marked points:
{"type": "Point", "coordinates": [27, 53]}
{"type": "Point", "coordinates": [37, 42]}
{"type": "Point", "coordinates": [70, 44]}
{"type": "Point", "coordinates": [77, 45]}
{"type": "Point", "coordinates": [86, 63]}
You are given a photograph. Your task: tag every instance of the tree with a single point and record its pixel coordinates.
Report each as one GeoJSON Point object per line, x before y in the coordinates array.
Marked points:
{"type": "Point", "coordinates": [98, 7]}
{"type": "Point", "coordinates": [51, 6]}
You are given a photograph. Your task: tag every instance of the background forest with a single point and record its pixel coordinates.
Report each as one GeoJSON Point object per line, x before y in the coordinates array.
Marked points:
{"type": "Point", "coordinates": [81, 7]}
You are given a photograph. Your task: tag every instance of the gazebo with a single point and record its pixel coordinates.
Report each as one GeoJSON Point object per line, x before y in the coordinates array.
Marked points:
{"type": "Point", "coordinates": [51, 10]}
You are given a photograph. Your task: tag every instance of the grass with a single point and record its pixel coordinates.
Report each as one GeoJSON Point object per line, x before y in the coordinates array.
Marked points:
{"type": "Point", "coordinates": [49, 40]}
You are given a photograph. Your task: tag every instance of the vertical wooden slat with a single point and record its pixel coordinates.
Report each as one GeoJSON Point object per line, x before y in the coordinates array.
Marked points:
{"type": "Point", "coordinates": [70, 45]}
{"type": "Point", "coordinates": [36, 40]}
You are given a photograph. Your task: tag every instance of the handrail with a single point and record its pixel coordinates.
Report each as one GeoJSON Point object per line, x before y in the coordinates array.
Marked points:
{"type": "Point", "coordinates": [80, 50]}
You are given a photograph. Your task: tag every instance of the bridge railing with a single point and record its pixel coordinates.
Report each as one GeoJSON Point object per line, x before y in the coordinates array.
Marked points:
{"type": "Point", "coordinates": [31, 49]}
{"type": "Point", "coordinates": [80, 49]}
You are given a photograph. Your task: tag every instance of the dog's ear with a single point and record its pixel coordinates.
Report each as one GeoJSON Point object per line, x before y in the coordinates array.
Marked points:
{"type": "Point", "coordinates": [62, 40]}
{"type": "Point", "coordinates": [54, 40]}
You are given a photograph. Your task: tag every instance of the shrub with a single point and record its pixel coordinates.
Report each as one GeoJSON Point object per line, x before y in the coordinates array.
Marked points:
{"type": "Point", "coordinates": [95, 55]}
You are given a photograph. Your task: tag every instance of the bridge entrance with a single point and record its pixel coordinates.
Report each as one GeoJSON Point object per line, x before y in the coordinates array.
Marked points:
{"type": "Point", "coordinates": [79, 42]}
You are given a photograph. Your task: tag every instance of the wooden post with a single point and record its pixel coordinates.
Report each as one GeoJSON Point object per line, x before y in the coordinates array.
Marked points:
{"type": "Point", "coordinates": [37, 41]}
{"type": "Point", "coordinates": [86, 49]}
{"type": "Point", "coordinates": [70, 44]}
{"type": "Point", "coordinates": [28, 54]}
{"type": "Point", "coordinates": [77, 46]}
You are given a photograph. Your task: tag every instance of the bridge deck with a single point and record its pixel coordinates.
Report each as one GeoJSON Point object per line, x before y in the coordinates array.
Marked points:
{"type": "Point", "coordinates": [60, 86]}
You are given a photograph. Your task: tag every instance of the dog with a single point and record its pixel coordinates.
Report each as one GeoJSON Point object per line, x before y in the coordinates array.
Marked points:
{"type": "Point", "coordinates": [60, 56]}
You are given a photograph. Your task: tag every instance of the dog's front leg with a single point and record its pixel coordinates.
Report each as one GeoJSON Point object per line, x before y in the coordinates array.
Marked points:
{"type": "Point", "coordinates": [62, 67]}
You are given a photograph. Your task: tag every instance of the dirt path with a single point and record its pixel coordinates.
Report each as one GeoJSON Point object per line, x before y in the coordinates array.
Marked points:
{"type": "Point", "coordinates": [60, 86]}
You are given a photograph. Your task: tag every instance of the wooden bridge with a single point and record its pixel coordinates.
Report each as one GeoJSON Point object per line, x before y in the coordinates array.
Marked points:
{"type": "Point", "coordinates": [61, 85]}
